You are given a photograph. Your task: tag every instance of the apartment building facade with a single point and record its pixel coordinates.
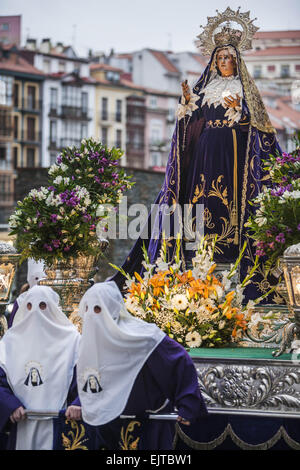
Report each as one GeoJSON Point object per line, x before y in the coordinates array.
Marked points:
{"type": "Point", "coordinates": [68, 96]}
{"type": "Point", "coordinates": [21, 104]}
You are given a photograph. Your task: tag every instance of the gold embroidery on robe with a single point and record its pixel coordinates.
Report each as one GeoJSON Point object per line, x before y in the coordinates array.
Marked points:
{"type": "Point", "coordinates": [128, 442]}
{"type": "Point", "coordinates": [75, 440]}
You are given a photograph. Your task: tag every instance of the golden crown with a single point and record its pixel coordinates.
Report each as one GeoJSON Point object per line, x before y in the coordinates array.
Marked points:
{"type": "Point", "coordinates": [214, 35]}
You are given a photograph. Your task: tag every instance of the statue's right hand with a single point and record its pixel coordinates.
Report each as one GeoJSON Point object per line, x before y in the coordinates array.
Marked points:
{"type": "Point", "coordinates": [186, 91]}
{"type": "Point", "coordinates": [18, 415]}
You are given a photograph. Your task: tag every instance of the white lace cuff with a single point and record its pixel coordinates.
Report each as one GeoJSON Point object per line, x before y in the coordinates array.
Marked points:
{"type": "Point", "coordinates": [234, 114]}
{"type": "Point", "coordinates": [184, 109]}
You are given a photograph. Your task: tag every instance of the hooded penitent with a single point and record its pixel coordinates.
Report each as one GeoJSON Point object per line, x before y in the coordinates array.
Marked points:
{"type": "Point", "coordinates": [114, 347]}
{"type": "Point", "coordinates": [35, 272]}
{"type": "Point", "coordinates": [38, 355]}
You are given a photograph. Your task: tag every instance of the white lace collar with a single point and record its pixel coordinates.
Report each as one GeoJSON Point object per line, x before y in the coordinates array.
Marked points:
{"type": "Point", "coordinates": [219, 87]}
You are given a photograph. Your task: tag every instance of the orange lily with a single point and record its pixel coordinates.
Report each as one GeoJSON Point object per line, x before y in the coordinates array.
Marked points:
{"type": "Point", "coordinates": [185, 278]}
{"type": "Point", "coordinates": [158, 282]}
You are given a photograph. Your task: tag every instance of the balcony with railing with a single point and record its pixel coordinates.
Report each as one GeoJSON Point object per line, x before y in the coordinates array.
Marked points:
{"type": "Point", "coordinates": [135, 119]}
{"type": "Point", "coordinates": [29, 105]}
{"type": "Point", "coordinates": [110, 118]}
{"type": "Point", "coordinates": [70, 112]}
{"type": "Point", "coordinates": [6, 188]}
{"type": "Point", "coordinates": [31, 137]}
{"type": "Point", "coordinates": [6, 127]}
{"type": "Point", "coordinates": [135, 147]}
{"type": "Point", "coordinates": [75, 112]}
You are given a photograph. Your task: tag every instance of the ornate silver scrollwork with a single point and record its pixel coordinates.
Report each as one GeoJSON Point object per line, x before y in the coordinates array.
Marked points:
{"type": "Point", "coordinates": [250, 387]}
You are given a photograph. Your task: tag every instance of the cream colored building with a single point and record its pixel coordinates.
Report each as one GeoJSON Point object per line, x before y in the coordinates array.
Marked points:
{"type": "Point", "coordinates": [110, 110]}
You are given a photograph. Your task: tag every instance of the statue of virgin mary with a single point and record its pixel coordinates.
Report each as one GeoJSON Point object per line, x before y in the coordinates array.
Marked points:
{"type": "Point", "coordinates": [223, 133]}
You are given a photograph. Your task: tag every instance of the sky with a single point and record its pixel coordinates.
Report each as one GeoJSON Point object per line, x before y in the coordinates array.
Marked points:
{"type": "Point", "coordinates": [127, 25]}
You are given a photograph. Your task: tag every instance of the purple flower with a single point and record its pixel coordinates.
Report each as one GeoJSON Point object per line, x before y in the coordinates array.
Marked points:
{"type": "Point", "coordinates": [298, 227]}
{"type": "Point", "coordinates": [280, 238]}
{"type": "Point", "coordinates": [41, 224]}
{"type": "Point", "coordinates": [59, 159]}
{"type": "Point", "coordinates": [66, 248]}
{"type": "Point", "coordinates": [260, 253]}
{"type": "Point", "coordinates": [56, 243]}
{"type": "Point", "coordinates": [53, 217]}
{"type": "Point", "coordinates": [92, 227]}
{"type": "Point", "coordinates": [269, 233]}
{"type": "Point", "coordinates": [48, 247]}
{"type": "Point", "coordinates": [260, 244]}
{"type": "Point", "coordinates": [87, 217]}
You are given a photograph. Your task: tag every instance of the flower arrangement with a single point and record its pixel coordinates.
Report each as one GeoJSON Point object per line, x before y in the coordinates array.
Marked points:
{"type": "Point", "coordinates": [276, 223]}
{"type": "Point", "coordinates": [194, 307]}
{"type": "Point", "coordinates": [59, 221]}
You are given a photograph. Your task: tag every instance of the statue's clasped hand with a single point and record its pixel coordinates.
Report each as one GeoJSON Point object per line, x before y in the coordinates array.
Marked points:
{"type": "Point", "coordinates": [232, 102]}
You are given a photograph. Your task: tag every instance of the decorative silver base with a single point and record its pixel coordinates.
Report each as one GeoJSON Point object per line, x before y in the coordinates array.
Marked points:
{"type": "Point", "coordinates": [250, 386]}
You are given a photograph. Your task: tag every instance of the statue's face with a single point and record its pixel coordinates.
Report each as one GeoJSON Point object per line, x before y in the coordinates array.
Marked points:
{"type": "Point", "coordinates": [225, 63]}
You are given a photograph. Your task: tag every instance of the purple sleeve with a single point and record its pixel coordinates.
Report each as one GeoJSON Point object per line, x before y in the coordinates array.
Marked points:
{"type": "Point", "coordinates": [8, 401]}
{"type": "Point", "coordinates": [12, 315]}
{"type": "Point", "coordinates": [176, 374]}
{"type": "Point", "coordinates": [73, 398]}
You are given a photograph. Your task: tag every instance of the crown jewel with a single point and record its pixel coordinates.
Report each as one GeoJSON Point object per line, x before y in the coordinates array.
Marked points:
{"type": "Point", "coordinates": [214, 34]}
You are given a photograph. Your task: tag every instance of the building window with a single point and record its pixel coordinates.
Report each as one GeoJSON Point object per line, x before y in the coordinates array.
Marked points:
{"type": "Point", "coordinates": [15, 157]}
{"type": "Point", "coordinates": [84, 103]}
{"type": "Point", "coordinates": [53, 132]}
{"type": "Point", "coordinates": [31, 129]}
{"type": "Point", "coordinates": [6, 90]}
{"type": "Point", "coordinates": [137, 140]}
{"type": "Point", "coordinates": [46, 65]}
{"type": "Point", "coordinates": [155, 159]}
{"type": "Point", "coordinates": [257, 71]}
{"type": "Point", "coordinates": [2, 93]}
{"type": "Point", "coordinates": [5, 27]}
{"type": "Point", "coordinates": [53, 99]}
{"type": "Point", "coordinates": [104, 109]}
{"type": "Point", "coordinates": [30, 158]}
{"type": "Point", "coordinates": [61, 66]}
{"type": "Point", "coordinates": [118, 138]}
{"type": "Point", "coordinates": [52, 158]}
{"type": "Point", "coordinates": [104, 135]}
{"type": "Point", "coordinates": [71, 134]}
{"type": "Point", "coordinates": [153, 102]}
{"type": "Point", "coordinates": [31, 97]}
{"type": "Point", "coordinates": [285, 71]}
{"type": "Point", "coordinates": [155, 135]}
{"type": "Point", "coordinates": [113, 76]}
{"type": "Point", "coordinates": [84, 131]}
{"type": "Point", "coordinates": [16, 127]}
{"type": "Point", "coordinates": [2, 153]}
{"type": "Point", "coordinates": [16, 95]}
{"type": "Point", "coordinates": [119, 110]}
{"type": "Point", "coordinates": [271, 68]}
{"type": "Point", "coordinates": [297, 68]}
{"type": "Point", "coordinates": [71, 96]}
